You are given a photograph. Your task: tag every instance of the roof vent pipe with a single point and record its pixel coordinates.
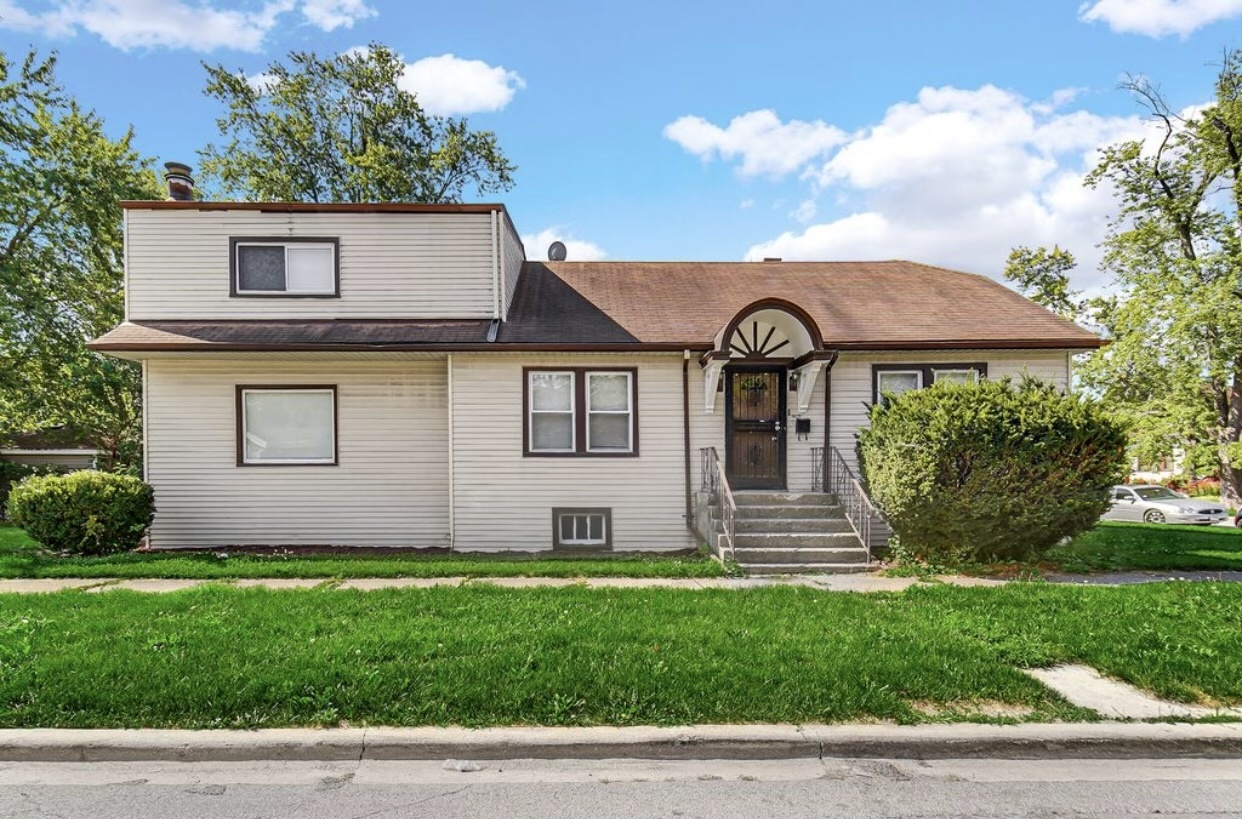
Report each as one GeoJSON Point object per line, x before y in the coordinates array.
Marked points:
{"type": "Point", "coordinates": [180, 183]}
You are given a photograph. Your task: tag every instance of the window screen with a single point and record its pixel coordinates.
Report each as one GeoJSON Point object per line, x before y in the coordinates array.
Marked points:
{"type": "Point", "coordinates": [302, 268]}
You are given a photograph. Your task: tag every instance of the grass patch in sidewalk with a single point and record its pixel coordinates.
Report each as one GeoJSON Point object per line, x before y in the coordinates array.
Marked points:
{"type": "Point", "coordinates": [21, 557]}
{"type": "Point", "coordinates": [1115, 546]}
{"type": "Point", "coordinates": [226, 657]}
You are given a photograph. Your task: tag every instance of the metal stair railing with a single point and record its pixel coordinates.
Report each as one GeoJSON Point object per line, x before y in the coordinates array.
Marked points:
{"type": "Point", "coordinates": [861, 513]}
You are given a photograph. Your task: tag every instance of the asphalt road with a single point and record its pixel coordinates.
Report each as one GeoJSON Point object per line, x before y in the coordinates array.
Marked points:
{"type": "Point", "coordinates": [625, 788]}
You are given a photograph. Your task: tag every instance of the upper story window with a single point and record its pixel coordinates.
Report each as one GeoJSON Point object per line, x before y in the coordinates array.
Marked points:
{"type": "Point", "coordinates": [285, 267]}
{"type": "Point", "coordinates": [894, 379]}
{"type": "Point", "coordinates": [581, 411]}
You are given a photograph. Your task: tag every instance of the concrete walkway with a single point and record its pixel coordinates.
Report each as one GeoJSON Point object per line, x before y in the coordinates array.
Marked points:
{"type": "Point", "coordinates": [863, 583]}
{"type": "Point", "coordinates": [1112, 699]}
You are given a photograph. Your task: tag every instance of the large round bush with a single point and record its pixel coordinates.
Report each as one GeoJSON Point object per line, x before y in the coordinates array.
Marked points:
{"type": "Point", "coordinates": [89, 513]}
{"type": "Point", "coordinates": [990, 471]}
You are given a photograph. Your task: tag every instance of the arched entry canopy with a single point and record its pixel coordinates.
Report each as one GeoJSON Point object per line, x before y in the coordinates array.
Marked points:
{"type": "Point", "coordinates": [769, 331]}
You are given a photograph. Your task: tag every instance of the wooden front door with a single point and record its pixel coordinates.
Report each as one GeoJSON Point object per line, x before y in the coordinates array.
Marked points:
{"type": "Point", "coordinates": [755, 428]}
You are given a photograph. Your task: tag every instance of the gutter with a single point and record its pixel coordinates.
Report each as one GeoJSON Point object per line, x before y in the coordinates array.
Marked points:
{"type": "Point", "coordinates": [685, 432]}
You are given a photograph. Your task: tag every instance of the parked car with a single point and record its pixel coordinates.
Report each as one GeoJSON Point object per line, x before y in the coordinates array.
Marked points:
{"type": "Point", "coordinates": [1159, 504]}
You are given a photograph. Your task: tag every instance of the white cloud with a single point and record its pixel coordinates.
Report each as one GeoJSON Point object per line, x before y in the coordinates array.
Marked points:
{"type": "Point", "coordinates": [764, 144]}
{"type": "Point", "coordinates": [1158, 18]}
{"type": "Point", "coordinates": [448, 85]}
{"type": "Point", "coordinates": [329, 15]}
{"type": "Point", "coordinates": [536, 245]}
{"type": "Point", "coordinates": [204, 27]}
{"type": "Point", "coordinates": [805, 212]}
{"type": "Point", "coordinates": [261, 82]}
{"type": "Point", "coordinates": [958, 177]}
{"type": "Point", "coordinates": [747, 203]}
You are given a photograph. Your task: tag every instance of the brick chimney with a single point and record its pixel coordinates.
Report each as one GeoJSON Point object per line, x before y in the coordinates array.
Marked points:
{"type": "Point", "coordinates": [180, 183]}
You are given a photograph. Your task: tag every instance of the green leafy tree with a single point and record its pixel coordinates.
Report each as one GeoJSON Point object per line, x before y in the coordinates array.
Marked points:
{"type": "Point", "coordinates": [341, 129]}
{"type": "Point", "coordinates": [1175, 364]}
{"type": "Point", "coordinates": [61, 275]}
{"type": "Point", "coordinates": [1043, 275]}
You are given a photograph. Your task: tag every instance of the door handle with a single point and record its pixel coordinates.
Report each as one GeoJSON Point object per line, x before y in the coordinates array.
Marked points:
{"type": "Point", "coordinates": [778, 426]}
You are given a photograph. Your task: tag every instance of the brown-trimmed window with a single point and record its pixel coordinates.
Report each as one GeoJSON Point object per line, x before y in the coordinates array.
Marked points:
{"type": "Point", "coordinates": [286, 426]}
{"type": "Point", "coordinates": [285, 267]}
{"type": "Point", "coordinates": [894, 379]}
{"type": "Point", "coordinates": [581, 528]}
{"type": "Point", "coordinates": [580, 411]}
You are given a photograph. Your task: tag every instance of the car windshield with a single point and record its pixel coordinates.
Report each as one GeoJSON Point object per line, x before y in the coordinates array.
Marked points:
{"type": "Point", "coordinates": [1156, 493]}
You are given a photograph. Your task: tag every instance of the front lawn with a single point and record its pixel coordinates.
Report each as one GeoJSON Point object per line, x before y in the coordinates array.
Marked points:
{"type": "Point", "coordinates": [22, 557]}
{"type": "Point", "coordinates": [226, 657]}
{"type": "Point", "coordinates": [1113, 545]}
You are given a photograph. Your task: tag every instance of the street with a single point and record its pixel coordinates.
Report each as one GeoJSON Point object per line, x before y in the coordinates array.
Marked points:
{"type": "Point", "coordinates": [624, 788]}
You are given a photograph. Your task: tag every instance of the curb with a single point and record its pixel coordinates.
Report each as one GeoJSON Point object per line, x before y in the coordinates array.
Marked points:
{"type": "Point", "coordinates": [1032, 741]}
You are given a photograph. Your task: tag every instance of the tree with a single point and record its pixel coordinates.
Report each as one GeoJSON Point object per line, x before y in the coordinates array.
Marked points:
{"type": "Point", "coordinates": [1176, 253]}
{"type": "Point", "coordinates": [342, 129]}
{"type": "Point", "coordinates": [1043, 275]}
{"type": "Point", "coordinates": [61, 273]}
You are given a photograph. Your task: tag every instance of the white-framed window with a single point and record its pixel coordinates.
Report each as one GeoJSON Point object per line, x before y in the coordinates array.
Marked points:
{"type": "Point", "coordinates": [551, 397]}
{"type": "Point", "coordinates": [895, 382]}
{"type": "Point", "coordinates": [292, 426]}
{"type": "Point", "coordinates": [955, 376]}
{"type": "Point", "coordinates": [610, 412]}
{"type": "Point", "coordinates": [284, 268]}
{"type": "Point", "coordinates": [584, 412]}
{"type": "Point", "coordinates": [579, 528]}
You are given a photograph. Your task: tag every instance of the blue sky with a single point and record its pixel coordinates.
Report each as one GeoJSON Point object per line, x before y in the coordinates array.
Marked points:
{"type": "Point", "coordinates": [945, 132]}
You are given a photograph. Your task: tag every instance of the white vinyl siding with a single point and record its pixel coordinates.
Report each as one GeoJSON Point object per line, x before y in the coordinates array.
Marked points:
{"type": "Point", "coordinates": [392, 265]}
{"type": "Point", "coordinates": [513, 256]}
{"type": "Point", "coordinates": [390, 487]}
{"type": "Point", "coordinates": [505, 500]}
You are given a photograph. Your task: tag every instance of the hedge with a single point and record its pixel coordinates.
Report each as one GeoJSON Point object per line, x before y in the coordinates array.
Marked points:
{"type": "Point", "coordinates": [990, 471]}
{"type": "Point", "coordinates": [87, 512]}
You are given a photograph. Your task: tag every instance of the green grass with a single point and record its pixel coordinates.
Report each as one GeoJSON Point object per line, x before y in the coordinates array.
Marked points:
{"type": "Point", "coordinates": [226, 657]}
{"type": "Point", "coordinates": [22, 557]}
{"type": "Point", "coordinates": [1151, 546]}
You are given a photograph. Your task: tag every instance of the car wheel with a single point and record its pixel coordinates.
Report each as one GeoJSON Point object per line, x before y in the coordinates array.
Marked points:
{"type": "Point", "coordinates": [1238, 521]}
{"type": "Point", "coordinates": [1153, 516]}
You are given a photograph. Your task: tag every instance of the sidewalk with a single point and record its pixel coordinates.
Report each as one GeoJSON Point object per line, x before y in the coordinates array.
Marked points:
{"type": "Point", "coordinates": [873, 582]}
{"type": "Point", "coordinates": [1031, 741]}
{"type": "Point", "coordinates": [843, 582]}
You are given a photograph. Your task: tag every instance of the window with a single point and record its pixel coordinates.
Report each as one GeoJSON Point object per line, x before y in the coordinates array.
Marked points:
{"type": "Point", "coordinates": [955, 376]}
{"type": "Point", "coordinates": [894, 379]}
{"type": "Point", "coordinates": [895, 382]}
{"type": "Point", "coordinates": [1122, 494]}
{"type": "Point", "coordinates": [286, 426]}
{"type": "Point", "coordinates": [285, 267]}
{"type": "Point", "coordinates": [552, 425]}
{"type": "Point", "coordinates": [608, 412]}
{"type": "Point", "coordinates": [581, 528]}
{"type": "Point", "coordinates": [577, 411]}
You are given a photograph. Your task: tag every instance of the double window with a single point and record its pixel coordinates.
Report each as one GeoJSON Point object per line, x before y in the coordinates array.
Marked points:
{"type": "Point", "coordinates": [894, 379]}
{"type": "Point", "coordinates": [292, 426]}
{"type": "Point", "coordinates": [285, 267]}
{"type": "Point", "coordinates": [580, 411]}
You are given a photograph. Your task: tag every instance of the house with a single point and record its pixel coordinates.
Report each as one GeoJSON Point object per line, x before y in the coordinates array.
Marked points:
{"type": "Point", "coordinates": [405, 375]}
{"type": "Point", "coordinates": [57, 446]}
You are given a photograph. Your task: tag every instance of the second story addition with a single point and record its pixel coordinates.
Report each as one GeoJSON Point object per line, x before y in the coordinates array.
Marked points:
{"type": "Point", "coordinates": [190, 260]}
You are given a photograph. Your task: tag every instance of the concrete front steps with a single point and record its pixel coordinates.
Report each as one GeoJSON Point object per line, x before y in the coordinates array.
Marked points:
{"type": "Point", "coordinates": [788, 533]}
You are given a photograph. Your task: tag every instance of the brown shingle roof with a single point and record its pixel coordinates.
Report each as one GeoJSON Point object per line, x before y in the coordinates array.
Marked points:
{"type": "Point", "coordinates": [310, 334]}
{"type": "Point", "coordinates": [671, 306]}
{"type": "Point", "coordinates": [858, 305]}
